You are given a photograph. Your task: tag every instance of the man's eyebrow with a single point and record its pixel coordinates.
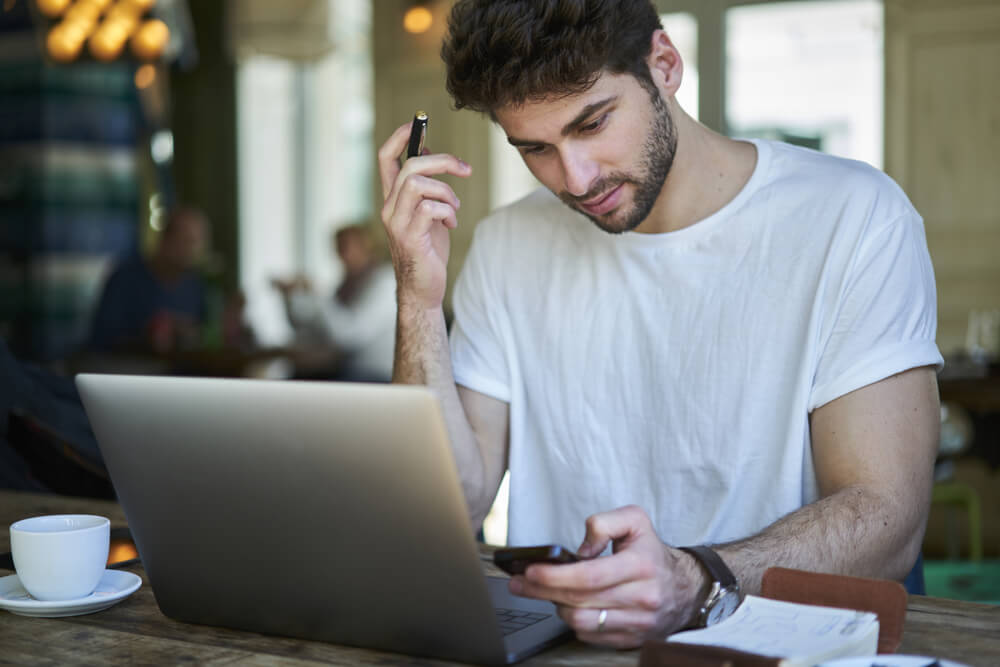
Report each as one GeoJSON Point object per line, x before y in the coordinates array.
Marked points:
{"type": "Point", "coordinates": [580, 118]}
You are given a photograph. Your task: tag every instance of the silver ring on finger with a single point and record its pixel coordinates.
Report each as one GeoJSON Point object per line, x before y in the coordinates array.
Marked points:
{"type": "Point", "coordinates": [601, 619]}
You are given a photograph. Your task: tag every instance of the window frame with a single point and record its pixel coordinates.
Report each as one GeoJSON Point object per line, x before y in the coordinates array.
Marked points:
{"type": "Point", "coordinates": [711, 18]}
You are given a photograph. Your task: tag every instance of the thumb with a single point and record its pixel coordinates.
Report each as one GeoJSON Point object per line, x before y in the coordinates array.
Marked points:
{"type": "Point", "coordinates": [620, 526]}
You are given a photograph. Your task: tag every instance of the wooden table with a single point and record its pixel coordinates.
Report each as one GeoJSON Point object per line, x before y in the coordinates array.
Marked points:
{"type": "Point", "coordinates": [134, 631]}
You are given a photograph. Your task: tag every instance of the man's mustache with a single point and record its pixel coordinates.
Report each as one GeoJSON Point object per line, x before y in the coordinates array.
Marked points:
{"type": "Point", "coordinates": [601, 188]}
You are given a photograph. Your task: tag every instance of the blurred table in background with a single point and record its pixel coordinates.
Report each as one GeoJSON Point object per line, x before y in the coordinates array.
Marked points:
{"type": "Point", "coordinates": [209, 362]}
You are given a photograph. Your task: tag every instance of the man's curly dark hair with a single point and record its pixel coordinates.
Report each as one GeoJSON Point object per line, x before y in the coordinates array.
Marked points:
{"type": "Point", "coordinates": [507, 52]}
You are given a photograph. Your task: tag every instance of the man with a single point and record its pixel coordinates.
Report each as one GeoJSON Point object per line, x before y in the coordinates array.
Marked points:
{"type": "Point", "coordinates": [738, 351]}
{"type": "Point", "coordinates": [359, 320]}
{"type": "Point", "coordinates": [156, 304]}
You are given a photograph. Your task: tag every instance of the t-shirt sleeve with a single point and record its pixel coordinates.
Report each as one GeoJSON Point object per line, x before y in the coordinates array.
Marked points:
{"type": "Point", "coordinates": [477, 336]}
{"type": "Point", "coordinates": [886, 319]}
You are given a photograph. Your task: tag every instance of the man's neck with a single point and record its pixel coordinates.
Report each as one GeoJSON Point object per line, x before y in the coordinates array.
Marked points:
{"type": "Point", "coordinates": [708, 171]}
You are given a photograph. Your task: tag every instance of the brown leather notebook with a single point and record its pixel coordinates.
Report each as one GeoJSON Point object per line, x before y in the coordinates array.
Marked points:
{"type": "Point", "coordinates": [886, 599]}
{"type": "Point", "coordinates": [656, 653]}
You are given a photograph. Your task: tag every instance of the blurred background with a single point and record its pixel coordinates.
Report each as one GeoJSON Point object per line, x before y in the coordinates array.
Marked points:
{"type": "Point", "coordinates": [261, 119]}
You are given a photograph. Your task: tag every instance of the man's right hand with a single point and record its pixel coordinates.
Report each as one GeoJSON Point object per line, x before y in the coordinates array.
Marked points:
{"type": "Point", "coordinates": [417, 214]}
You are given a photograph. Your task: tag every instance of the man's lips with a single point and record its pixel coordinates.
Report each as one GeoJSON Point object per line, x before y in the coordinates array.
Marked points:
{"type": "Point", "coordinates": [604, 203]}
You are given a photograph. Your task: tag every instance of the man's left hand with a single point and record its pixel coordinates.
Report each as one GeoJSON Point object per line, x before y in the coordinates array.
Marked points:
{"type": "Point", "coordinates": [644, 590]}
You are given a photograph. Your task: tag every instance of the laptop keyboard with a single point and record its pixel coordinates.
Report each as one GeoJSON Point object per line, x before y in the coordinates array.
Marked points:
{"type": "Point", "coordinates": [512, 620]}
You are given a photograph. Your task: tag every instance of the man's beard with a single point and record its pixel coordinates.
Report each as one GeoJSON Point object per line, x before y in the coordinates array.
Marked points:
{"type": "Point", "coordinates": [657, 157]}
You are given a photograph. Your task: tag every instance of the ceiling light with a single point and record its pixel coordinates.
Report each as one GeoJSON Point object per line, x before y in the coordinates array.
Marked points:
{"type": "Point", "coordinates": [417, 19]}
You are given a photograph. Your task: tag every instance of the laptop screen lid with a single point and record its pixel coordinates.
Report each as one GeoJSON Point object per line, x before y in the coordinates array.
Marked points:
{"type": "Point", "coordinates": [324, 511]}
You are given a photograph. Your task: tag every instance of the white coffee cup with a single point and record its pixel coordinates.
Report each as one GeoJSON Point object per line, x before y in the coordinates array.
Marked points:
{"type": "Point", "coordinates": [62, 556]}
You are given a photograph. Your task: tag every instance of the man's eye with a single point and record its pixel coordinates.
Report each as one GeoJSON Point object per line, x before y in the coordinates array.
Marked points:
{"type": "Point", "coordinates": [595, 125]}
{"type": "Point", "coordinates": [534, 150]}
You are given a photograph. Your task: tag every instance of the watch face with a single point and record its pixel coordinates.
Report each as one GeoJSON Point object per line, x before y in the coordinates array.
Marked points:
{"type": "Point", "coordinates": [729, 600]}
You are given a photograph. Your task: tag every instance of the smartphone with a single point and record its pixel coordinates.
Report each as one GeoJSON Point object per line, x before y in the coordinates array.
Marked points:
{"type": "Point", "coordinates": [418, 135]}
{"type": "Point", "coordinates": [515, 560]}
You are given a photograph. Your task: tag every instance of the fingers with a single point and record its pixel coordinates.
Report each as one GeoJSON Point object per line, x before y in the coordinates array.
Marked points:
{"type": "Point", "coordinates": [635, 595]}
{"type": "Point", "coordinates": [416, 172]}
{"type": "Point", "coordinates": [429, 211]}
{"type": "Point", "coordinates": [427, 163]}
{"type": "Point", "coordinates": [418, 202]}
{"type": "Point", "coordinates": [621, 628]}
{"type": "Point", "coordinates": [414, 199]}
{"type": "Point", "coordinates": [415, 214]}
{"type": "Point", "coordinates": [388, 156]}
{"type": "Point", "coordinates": [414, 189]}
{"type": "Point", "coordinates": [623, 580]}
{"type": "Point", "coordinates": [626, 527]}
{"type": "Point", "coordinates": [590, 575]}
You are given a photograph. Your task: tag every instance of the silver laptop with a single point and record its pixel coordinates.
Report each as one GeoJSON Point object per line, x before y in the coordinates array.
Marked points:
{"type": "Point", "coordinates": [324, 511]}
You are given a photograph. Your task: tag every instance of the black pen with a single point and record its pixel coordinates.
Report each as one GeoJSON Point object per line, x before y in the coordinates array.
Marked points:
{"type": "Point", "coordinates": [418, 134]}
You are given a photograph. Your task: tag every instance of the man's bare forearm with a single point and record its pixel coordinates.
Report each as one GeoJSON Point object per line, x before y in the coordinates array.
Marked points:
{"type": "Point", "coordinates": [854, 531]}
{"type": "Point", "coordinates": [423, 357]}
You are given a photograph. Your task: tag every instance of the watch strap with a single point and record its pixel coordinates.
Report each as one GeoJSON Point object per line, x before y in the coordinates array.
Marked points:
{"type": "Point", "coordinates": [711, 561]}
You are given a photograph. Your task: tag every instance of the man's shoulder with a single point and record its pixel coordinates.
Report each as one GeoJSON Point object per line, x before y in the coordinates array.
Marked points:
{"type": "Point", "coordinates": [821, 178]}
{"type": "Point", "coordinates": [791, 161]}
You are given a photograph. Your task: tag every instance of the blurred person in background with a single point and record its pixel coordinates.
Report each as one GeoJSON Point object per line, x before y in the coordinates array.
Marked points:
{"type": "Point", "coordinates": [156, 304]}
{"type": "Point", "coordinates": [357, 323]}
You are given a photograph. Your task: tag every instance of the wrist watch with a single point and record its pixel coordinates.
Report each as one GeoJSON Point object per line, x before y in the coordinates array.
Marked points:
{"type": "Point", "coordinates": [724, 596]}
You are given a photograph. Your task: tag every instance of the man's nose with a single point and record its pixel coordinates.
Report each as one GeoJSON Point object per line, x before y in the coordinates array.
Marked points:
{"type": "Point", "coordinates": [580, 172]}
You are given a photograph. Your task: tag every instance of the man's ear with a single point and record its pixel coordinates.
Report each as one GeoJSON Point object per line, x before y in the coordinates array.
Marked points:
{"type": "Point", "coordinates": [665, 64]}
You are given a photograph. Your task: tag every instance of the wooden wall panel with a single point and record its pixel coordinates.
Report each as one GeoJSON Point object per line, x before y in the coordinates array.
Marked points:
{"type": "Point", "coordinates": [943, 144]}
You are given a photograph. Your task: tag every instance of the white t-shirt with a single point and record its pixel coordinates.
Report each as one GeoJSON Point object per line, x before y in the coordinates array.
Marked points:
{"type": "Point", "coordinates": [677, 371]}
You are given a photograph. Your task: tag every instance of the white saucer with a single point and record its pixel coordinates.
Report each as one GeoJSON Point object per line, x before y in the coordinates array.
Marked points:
{"type": "Point", "coordinates": [113, 587]}
{"type": "Point", "coordinates": [890, 660]}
